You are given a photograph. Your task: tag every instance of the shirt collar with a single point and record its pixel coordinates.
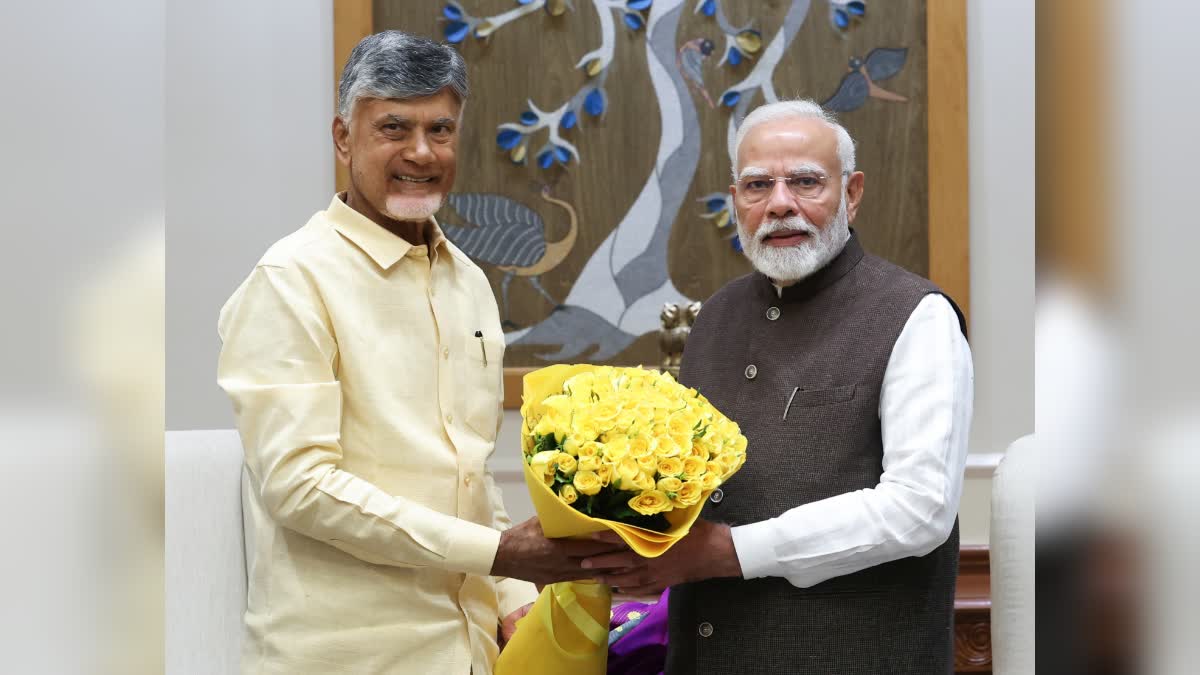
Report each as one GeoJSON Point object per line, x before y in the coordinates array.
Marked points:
{"type": "Point", "coordinates": [375, 240]}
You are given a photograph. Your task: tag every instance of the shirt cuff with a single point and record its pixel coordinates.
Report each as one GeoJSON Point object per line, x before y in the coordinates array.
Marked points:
{"type": "Point", "coordinates": [755, 548]}
{"type": "Point", "coordinates": [514, 594]}
{"type": "Point", "coordinates": [472, 549]}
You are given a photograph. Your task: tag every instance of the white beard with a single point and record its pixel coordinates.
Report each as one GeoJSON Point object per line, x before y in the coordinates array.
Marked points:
{"type": "Point", "coordinates": [409, 208]}
{"type": "Point", "coordinates": [793, 263]}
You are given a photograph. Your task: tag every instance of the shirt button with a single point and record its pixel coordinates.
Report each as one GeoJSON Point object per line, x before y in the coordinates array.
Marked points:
{"type": "Point", "coordinates": [706, 629]}
{"type": "Point", "coordinates": [449, 418]}
{"type": "Point", "coordinates": [751, 371]}
{"type": "Point", "coordinates": [716, 496]}
{"type": "Point", "coordinates": [467, 480]}
{"type": "Point", "coordinates": [445, 352]}
{"type": "Point", "coordinates": [772, 313]}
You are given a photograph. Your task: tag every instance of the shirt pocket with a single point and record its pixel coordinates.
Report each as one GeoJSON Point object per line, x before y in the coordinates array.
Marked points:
{"type": "Point", "coordinates": [801, 398]}
{"type": "Point", "coordinates": [483, 372]}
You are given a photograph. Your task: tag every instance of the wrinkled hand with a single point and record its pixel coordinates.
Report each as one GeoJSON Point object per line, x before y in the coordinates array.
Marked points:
{"type": "Point", "coordinates": [705, 553]}
{"type": "Point", "coordinates": [508, 626]}
{"type": "Point", "coordinates": [526, 553]}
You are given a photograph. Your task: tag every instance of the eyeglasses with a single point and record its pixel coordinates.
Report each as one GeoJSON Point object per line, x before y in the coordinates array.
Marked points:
{"type": "Point", "coordinates": [803, 185]}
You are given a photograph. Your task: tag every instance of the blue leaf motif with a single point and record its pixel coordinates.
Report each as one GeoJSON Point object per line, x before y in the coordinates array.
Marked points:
{"type": "Point", "coordinates": [731, 98]}
{"type": "Point", "coordinates": [736, 244]}
{"type": "Point", "coordinates": [638, 4]}
{"type": "Point", "coordinates": [735, 56]}
{"type": "Point", "coordinates": [709, 8]}
{"type": "Point", "coordinates": [524, 2]}
{"type": "Point", "coordinates": [595, 103]}
{"type": "Point", "coordinates": [452, 12]}
{"type": "Point", "coordinates": [568, 119]}
{"type": "Point", "coordinates": [633, 20]}
{"type": "Point", "coordinates": [528, 118]}
{"type": "Point", "coordinates": [456, 31]}
{"type": "Point", "coordinates": [841, 19]}
{"type": "Point", "coordinates": [561, 154]}
{"type": "Point", "coordinates": [509, 138]}
{"type": "Point", "coordinates": [715, 204]}
{"type": "Point", "coordinates": [857, 8]}
{"type": "Point", "coordinates": [546, 159]}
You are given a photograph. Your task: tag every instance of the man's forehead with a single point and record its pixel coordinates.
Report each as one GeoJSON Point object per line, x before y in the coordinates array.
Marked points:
{"type": "Point", "coordinates": [789, 140]}
{"type": "Point", "coordinates": [441, 104]}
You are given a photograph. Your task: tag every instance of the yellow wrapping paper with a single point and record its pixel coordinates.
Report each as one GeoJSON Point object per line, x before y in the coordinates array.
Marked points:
{"type": "Point", "coordinates": [566, 631]}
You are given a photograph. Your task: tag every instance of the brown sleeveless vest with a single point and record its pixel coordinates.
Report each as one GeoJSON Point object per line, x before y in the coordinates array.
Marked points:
{"type": "Point", "coordinates": [831, 336]}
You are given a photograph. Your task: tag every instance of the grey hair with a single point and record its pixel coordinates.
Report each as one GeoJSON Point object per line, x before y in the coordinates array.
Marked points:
{"type": "Point", "coordinates": [803, 109]}
{"type": "Point", "coordinates": [396, 65]}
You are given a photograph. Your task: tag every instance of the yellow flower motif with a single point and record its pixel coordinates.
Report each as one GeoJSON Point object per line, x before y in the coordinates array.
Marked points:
{"type": "Point", "coordinates": [616, 448]}
{"type": "Point", "coordinates": [587, 482]}
{"type": "Point", "coordinates": [589, 464]}
{"type": "Point", "coordinates": [670, 466]}
{"type": "Point", "coordinates": [571, 445]}
{"type": "Point", "coordinates": [679, 425]}
{"type": "Point", "coordinates": [669, 485]}
{"type": "Point", "coordinates": [684, 443]}
{"type": "Point", "coordinates": [693, 467]}
{"type": "Point", "coordinates": [688, 494]}
{"type": "Point", "coordinates": [568, 494]}
{"type": "Point", "coordinates": [650, 502]}
{"type": "Point", "coordinates": [667, 447]}
{"type": "Point", "coordinates": [709, 481]}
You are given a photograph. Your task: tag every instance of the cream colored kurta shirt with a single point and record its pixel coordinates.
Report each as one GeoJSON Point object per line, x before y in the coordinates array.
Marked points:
{"type": "Point", "coordinates": [368, 408]}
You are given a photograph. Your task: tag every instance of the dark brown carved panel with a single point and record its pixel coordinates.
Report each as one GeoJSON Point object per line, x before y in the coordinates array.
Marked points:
{"type": "Point", "coordinates": [973, 612]}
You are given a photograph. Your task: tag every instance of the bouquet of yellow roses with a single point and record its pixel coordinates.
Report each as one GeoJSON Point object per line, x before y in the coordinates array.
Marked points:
{"type": "Point", "coordinates": [624, 449]}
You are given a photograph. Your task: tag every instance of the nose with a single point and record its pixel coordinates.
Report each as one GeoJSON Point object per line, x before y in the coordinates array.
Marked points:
{"type": "Point", "coordinates": [419, 151]}
{"type": "Point", "coordinates": [781, 203]}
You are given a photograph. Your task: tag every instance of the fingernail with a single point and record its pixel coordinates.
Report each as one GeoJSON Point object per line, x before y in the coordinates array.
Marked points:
{"type": "Point", "coordinates": [586, 564]}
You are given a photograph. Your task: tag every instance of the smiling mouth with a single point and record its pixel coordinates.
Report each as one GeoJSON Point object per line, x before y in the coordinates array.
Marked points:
{"type": "Point", "coordinates": [411, 179]}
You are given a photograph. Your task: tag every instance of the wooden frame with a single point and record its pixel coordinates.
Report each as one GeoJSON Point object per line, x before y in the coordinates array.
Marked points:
{"type": "Point", "coordinates": [949, 208]}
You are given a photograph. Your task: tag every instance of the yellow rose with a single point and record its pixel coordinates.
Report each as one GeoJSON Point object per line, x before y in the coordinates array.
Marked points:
{"type": "Point", "coordinates": [669, 485]}
{"type": "Point", "coordinates": [545, 427]}
{"type": "Point", "coordinates": [565, 463]}
{"type": "Point", "coordinates": [604, 413]}
{"type": "Point", "coordinates": [670, 466]}
{"type": "Point", "coordinates": [616, 448]}
{"type": "Point", "coordinates": [739, 442]}
{"type": "Point", "coordinates": [700, 451]}
{"type": "Point", "coordinates": [649, 463]}
{"type": "Point", "coordinates": [708, 481]}
{"type": "Point", "coordinates": [585, 429]}
{"type": "Point", "coordinates": [589, 464]}
{"type": "Point", "coordinates": [727, 461]}
{"type": "Point", "coordinates": [684, 443]}
{"type": "Point", "coordinates": [587, 482]}
{"type": "Point", "coordinates": [688, 494]}
{"type": "Point", "coordinates": [605, 472]}
{"type": "Point", "coordinates": [650, 502]}
{"type": "Point", "coordinates": [644, 481]}
{"type": "Point", "coordinates": [568, 494]}
{"type": "Point", "coordinates": [628, 469]}
{"type": "Point", "coordinates": [544, 461]}
{"type": "Point", "coordinates": [693, 467]}
{"type": "Point", "coordinates": [641, 447]}
{"type": "Point", "coordinates": [571, 445]}
{"type": "Point", "coordinates": [667, 447]}
{"type": "Point", "coordinates": [679, 425]}
{"type": "Point", "coordinates": [590, 449]}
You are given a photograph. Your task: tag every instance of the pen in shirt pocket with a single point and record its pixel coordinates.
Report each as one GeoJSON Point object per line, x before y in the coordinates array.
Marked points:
{"type": "Point", "coordinates": [482, 348]}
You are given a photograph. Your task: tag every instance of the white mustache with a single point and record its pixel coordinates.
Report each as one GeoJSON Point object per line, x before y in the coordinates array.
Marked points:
{"type": "Point", "coordinates": [794, 224]}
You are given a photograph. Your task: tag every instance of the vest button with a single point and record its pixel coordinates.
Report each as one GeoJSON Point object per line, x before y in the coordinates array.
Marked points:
{"type": "Point", "coordinates": [716, 496]}
{"type": "Point", "coordinates": [751, 371]}
{"type": "Point", "coordinates": [772, 313]}
{"type": "Point", "coordinates": [706, 629]}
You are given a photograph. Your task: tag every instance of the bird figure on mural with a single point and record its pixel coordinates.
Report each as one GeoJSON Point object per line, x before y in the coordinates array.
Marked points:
{"type": "Point", "coordinates": [859, 84]}
{"type": "Point", "coordinates": [690, 61]}
{"type": "Point", "coordinates": [511, 237]}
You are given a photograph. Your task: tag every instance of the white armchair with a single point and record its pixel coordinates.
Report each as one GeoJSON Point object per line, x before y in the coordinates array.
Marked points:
{"type": "Point", "coordinates": [1012, 556]}
{"type": "Point", "coordinates": [205, 553]}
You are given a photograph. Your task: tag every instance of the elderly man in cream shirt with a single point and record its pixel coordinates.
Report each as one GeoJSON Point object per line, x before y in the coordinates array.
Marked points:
{"type": "Point", "coordinates": [363, 358]}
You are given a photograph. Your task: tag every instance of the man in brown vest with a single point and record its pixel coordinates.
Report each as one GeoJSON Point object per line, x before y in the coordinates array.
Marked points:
{"type": "Point", "coordinates": [835, 548]}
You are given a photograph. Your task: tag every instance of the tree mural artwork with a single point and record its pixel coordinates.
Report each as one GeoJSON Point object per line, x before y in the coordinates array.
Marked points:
{"type": "Point", "coordinates": [619, 292]}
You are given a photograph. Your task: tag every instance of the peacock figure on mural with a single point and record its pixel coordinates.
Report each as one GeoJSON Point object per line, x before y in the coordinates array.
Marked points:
{"type": "Point", "coordinates": [511, 237]}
